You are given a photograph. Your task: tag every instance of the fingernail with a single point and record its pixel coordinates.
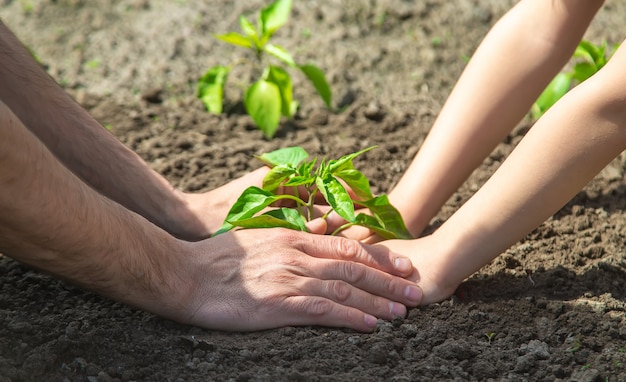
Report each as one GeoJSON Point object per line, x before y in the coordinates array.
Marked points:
{"type": "Point", "coordinates": [370, 321]}
{"type": "Point", "coordinates": [398, 310]}
{"type": "Point", "coordinates": [402, 264]}
{"type": "Point", "coordinates": [413, 293]}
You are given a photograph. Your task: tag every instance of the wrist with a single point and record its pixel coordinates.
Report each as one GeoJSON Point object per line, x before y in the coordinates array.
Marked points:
{"type": "Point", "coordinates": [181, 217]}
{"type": "Point", "coordinates": [160, 281]}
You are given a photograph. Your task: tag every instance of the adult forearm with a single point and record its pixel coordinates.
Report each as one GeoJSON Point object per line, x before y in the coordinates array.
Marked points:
{"type": "Point", "coordinates": [511, 67]}
{"type": "Point", "coordinates": [53, 221]}
{"type": "Point", "coordinates": [81, 143]}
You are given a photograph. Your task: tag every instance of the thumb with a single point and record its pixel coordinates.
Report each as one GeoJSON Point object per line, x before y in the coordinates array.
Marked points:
{"type": "Point", "coordinates": [317, 226]}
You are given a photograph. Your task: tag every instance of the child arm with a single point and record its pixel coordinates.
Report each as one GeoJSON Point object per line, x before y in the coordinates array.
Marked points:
{"type": "Point", "coordinates": [565, 149]}
{"type": "Point", "coordinates": [510, 68]}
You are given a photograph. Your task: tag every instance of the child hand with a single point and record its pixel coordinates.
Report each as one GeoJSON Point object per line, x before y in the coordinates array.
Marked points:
{"type": "Point", "coordinates": [429, 267]}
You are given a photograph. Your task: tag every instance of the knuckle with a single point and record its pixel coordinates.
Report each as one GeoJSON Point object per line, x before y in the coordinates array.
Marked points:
{"type": "Point", "coordinates": [339, 290]}
{"type": "Point", "coordinates": [348, 249]}
{"type": "Point", "coordinates": [389, 284]}
{"type": "Point", "coordinates": [354, 273]}
{"type": "Point", "coordinates": [318, 307]}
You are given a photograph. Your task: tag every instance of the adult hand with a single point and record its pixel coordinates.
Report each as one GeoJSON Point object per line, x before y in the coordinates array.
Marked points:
{"type": "Point", "coordinates": [205, 212]}
{"type": "Point", "coordinates": [267, 278]}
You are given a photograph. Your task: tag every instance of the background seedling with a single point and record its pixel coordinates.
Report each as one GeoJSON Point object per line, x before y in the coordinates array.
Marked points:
{"type": "Point", "coordinates": [589, 58]}
{"type": "Point", "coordinates": [291, 171]}
{"type": "Point", "coordinates": [271, 96]}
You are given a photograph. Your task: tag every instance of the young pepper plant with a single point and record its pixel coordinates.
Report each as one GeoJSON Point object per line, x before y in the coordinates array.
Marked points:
{"type": "Point", "coordinates": [271, 96]}
{"type": "Point", "coordinates": [590, 58]}
{"type": "Point", "coordinates": [291, 170]}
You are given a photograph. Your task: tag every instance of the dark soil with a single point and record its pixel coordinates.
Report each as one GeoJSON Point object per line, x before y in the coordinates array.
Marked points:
{"type": "Point", "coordinates": [553, 307]}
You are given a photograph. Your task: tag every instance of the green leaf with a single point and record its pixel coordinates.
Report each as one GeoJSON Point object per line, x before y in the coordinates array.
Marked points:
{"type": "Point", "coordinates": [237, 39]}
{"type": "Point", "coordinates": [345, 162]}
{"type": "Point", "coordinates": [306, 168]}
{"type": "Point", "coordinates": [282, 217]}
{"type": "Point", "coordinates": [583, 70]}
{"type": "Point", "coordinates": [275, 16]}
{"type": "Point", "coordinates": [263, 103]}
{"type": "Point", "coordinates": [336, 196]}
{"type": "Point", "coordinates": [252, 200]}
{"type": "Point", "coordinates": [316, 76]}
{"type": "Point", "coordinates": [357, 182]}
{"type": "Point", "coordinates": [247, 27]}
{"type": "Point", "coordinates": [388, 216]}
{"type": "Point", "coordinates": [211, 88]}
{"type": "Point", "coordinates": [553, 92]}
{"type": "Point", "coordinates": [299, 181]}
{"type": "Point", "coordinates": [276, 176]}
{"type": "Point", "coordinates": [290, 215]}
{"type": "Point", "coordinates": [372, 224]}
{"type": "Point", "coordinates": [281, 79]}
{"type": "Point", "coordinates": [291, 156]}
{"type": "Point", "coordinates": [280, 53]}
{"type": "Point", "coordinates": [586, 51]}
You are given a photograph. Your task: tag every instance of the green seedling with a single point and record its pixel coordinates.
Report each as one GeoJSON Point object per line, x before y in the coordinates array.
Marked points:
{"type": "Point", "coordinates": [576, 345]}
{"type": "Point", "coordinates": [271, 95]}
{"type": "Point", "coordinates": [292, 172]}
{"type": "Point", "coordinates": [490, 336]}
{"type": "Point", "coordinates": [589, 58]}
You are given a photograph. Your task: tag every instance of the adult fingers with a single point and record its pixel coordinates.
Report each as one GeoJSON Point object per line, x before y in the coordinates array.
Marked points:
{"type": "Point", "coordinates": [313, 310]}
{"type": "Point", "coordinates": [364, 267]}
{"type": "Point", "coordinates": [339, 248]}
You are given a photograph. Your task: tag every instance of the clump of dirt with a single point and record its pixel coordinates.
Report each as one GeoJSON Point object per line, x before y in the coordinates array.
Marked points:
{"type": "Point", "coordinates": [550, 308]}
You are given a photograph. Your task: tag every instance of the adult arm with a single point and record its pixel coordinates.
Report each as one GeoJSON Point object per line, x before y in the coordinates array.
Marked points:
{"type": "Point", "coordinates": [244, 280]}
{"type": "Point", "coordinates": [97, 157]}
{"type": "Point", "coordinates": [562, 152]}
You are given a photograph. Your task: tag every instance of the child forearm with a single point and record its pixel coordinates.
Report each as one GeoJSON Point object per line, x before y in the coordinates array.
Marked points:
{"type": "Point", "coordinates": [511, 67]}
{"type": "Point", "coordinates": [564, 150]}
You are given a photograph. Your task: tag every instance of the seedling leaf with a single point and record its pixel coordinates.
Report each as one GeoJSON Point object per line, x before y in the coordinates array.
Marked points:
{"type": "Point", "coordinates": [263, 104]}
{"type": "Point", "coordinates": [357, 182]}
{"type": "Point", "coordinates": [281, 79]}
{"type": "Point", "coordinates": [282, 217]}
{"type": "Point", "coordinates": [276, 176]}
{"type": "Point", "coordinates": [291, 156]}
{"type": "Point", "coordinates": [280, 53]}
{"type": "Point", "coordinates": [235, 38]}
{"type": "Point", "coordinates": [373, 224]}
{"type": "Point", "coordinates": [299, 181]}
{"type": "Point", "coordinates": [274, 16]}
{"type": "Point", "coordinates": [345, 162]}
{"type": "Point", "coordinates": [290, 169]}
{"type": "Point", "coordinates": [247, 27]}
{"type": "Point", "coordinates": [388, 216]}
{"type": "Point", "coordinates": [553, 92]}
{"type": "Point", "coordinates": [317, 78]}
{"type": "Point", "coordinates": [583, 70]}
{"type": "Point", "coordinates": [336, 196]}
{"type": "Point", "coordinates": [251, 201]}
{"type": "Point", "coordinates": [211, 88]}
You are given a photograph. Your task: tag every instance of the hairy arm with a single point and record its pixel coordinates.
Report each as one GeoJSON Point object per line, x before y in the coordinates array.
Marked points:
{"type": "Point", "coordinates": [90, 151]}
{"type": "Point", "coordinates": [245, 280]}
{"type": "Point", "coordinates": [51, 220]}
{"type": "Point", "coordinates": [508, 71]}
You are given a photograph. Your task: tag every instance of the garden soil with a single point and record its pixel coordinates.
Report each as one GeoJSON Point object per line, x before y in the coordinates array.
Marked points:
{"type": "Point", "coordinates": [552, 307]}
